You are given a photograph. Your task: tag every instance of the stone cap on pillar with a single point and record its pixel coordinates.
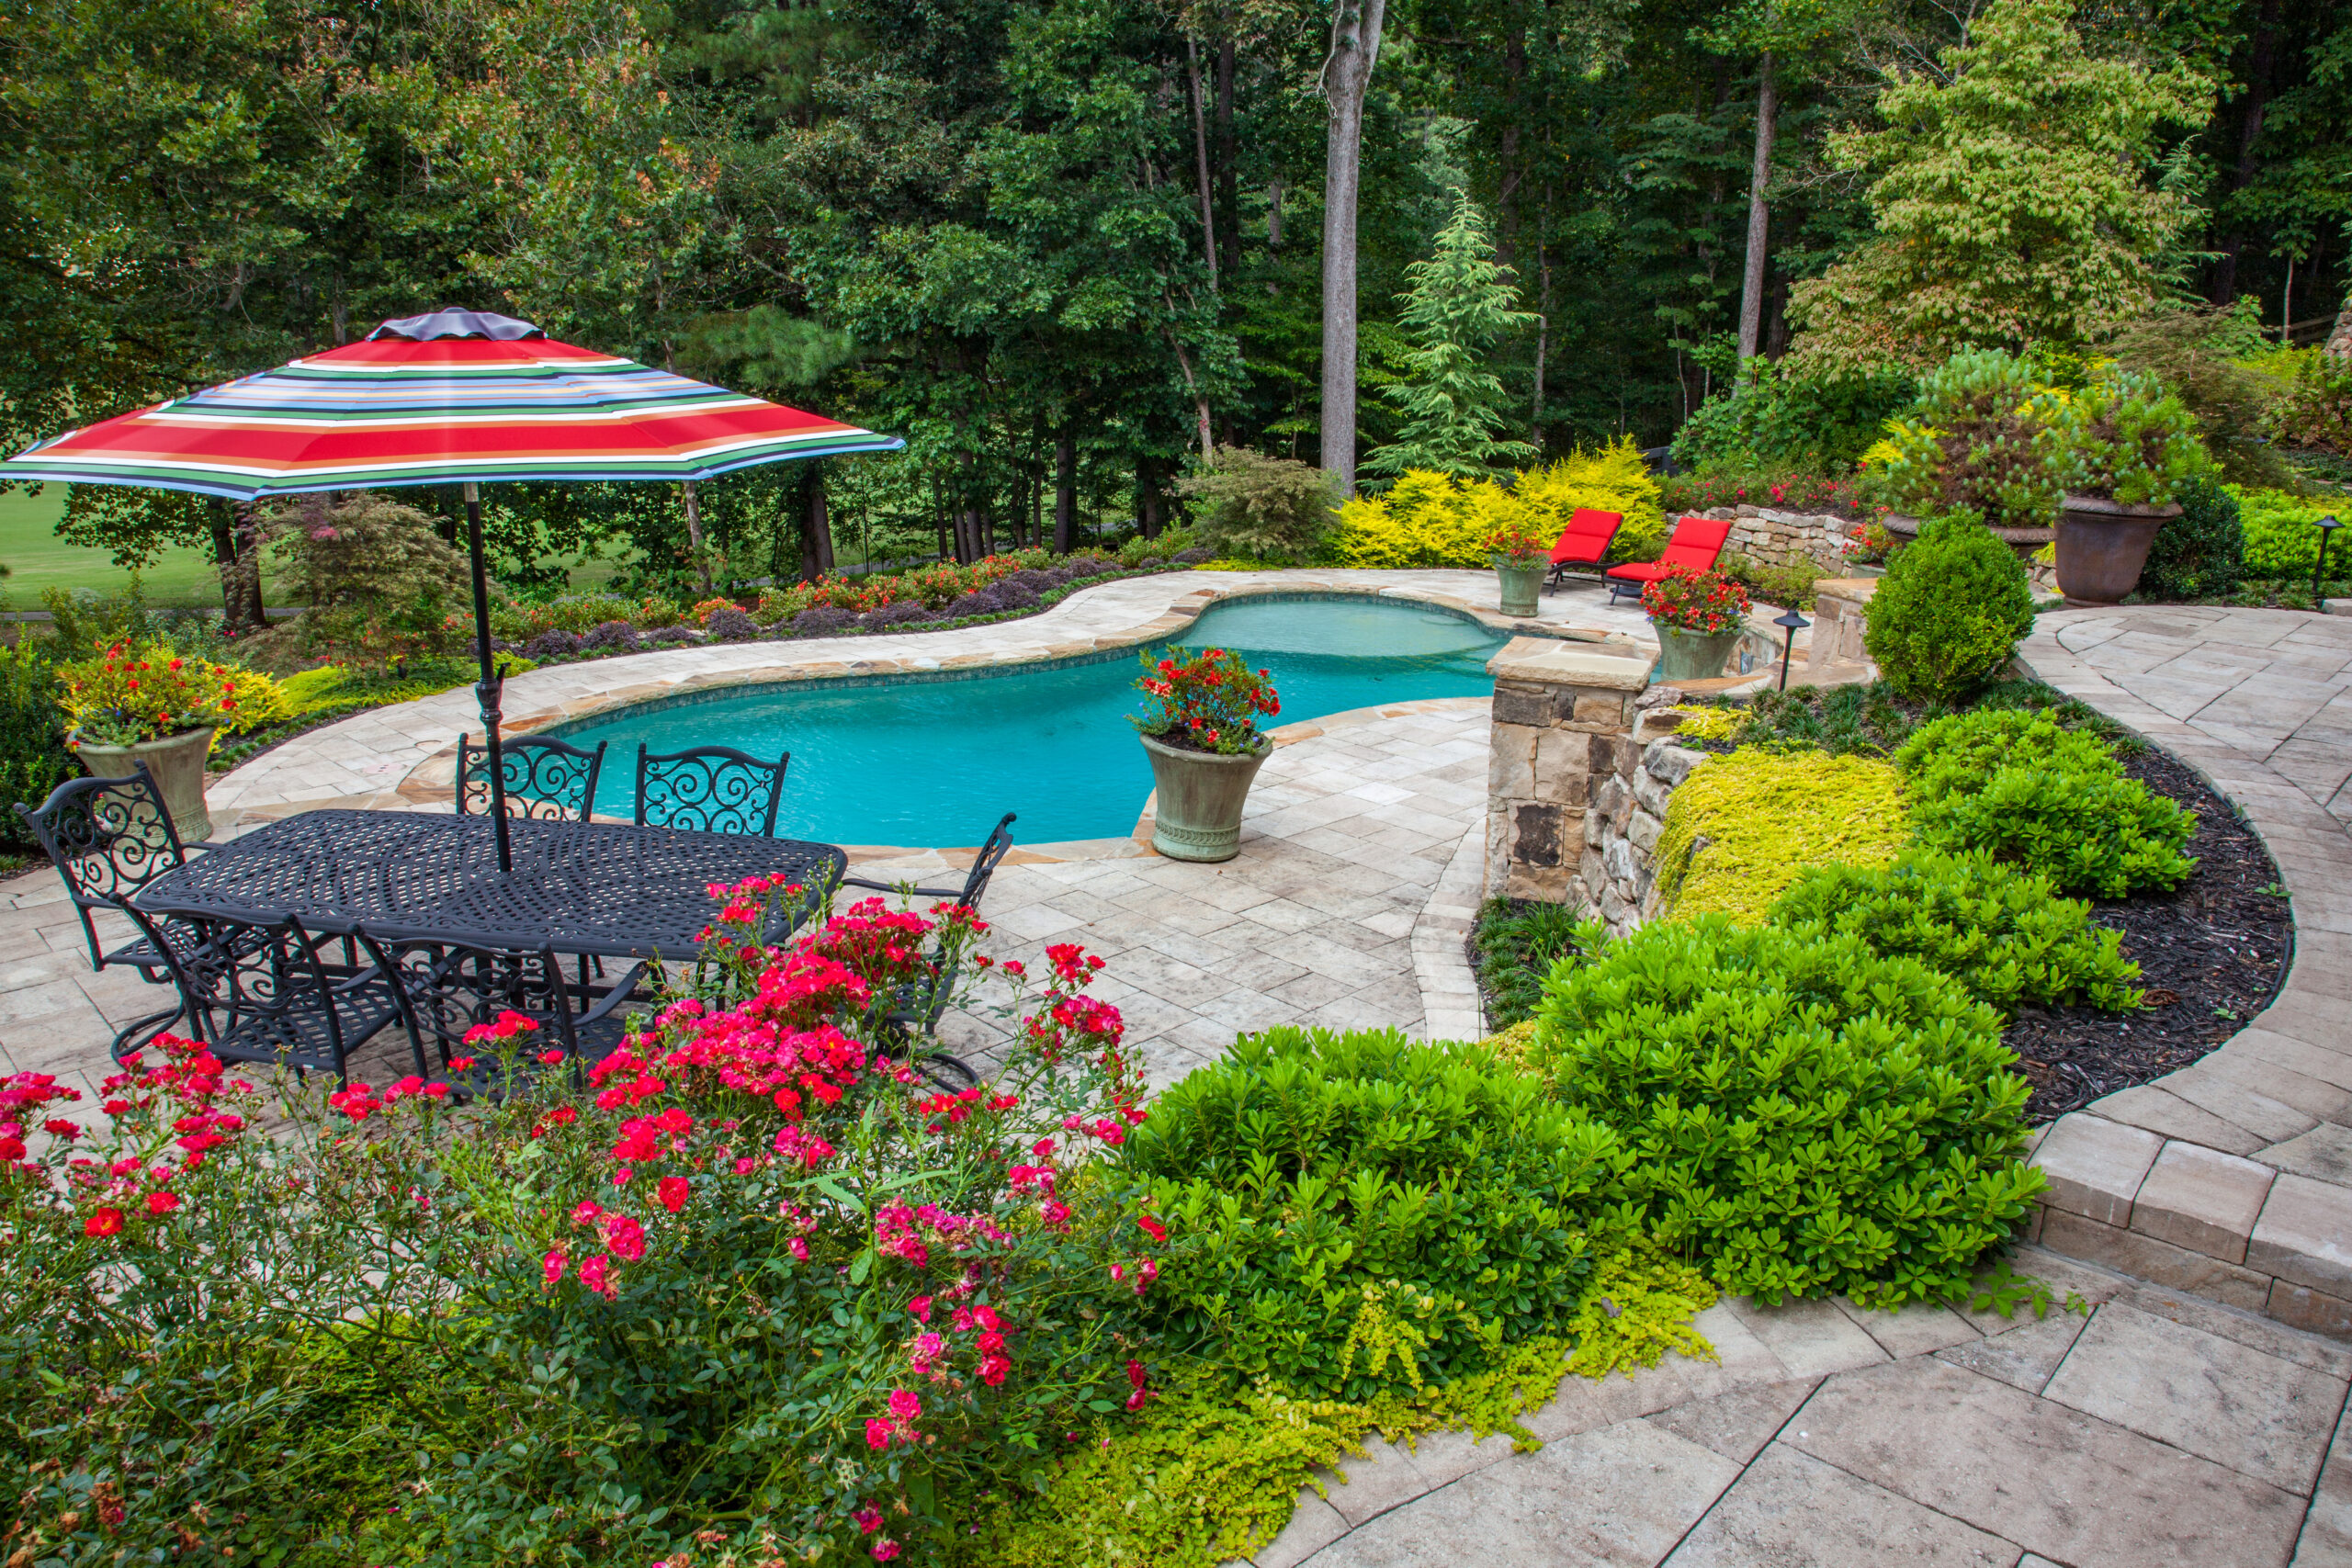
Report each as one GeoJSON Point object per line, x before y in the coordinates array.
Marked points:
{"type": "Point", "coordinates": [1550, 662]}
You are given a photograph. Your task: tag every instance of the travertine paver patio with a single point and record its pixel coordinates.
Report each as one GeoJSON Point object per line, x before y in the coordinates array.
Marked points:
{"type": "Point", "coordinates": [2231, 1177]}
{"type": "Point", "coordinates": [1328, 918]}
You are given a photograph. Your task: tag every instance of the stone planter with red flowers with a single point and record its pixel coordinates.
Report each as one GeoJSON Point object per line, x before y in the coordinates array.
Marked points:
{"type": "Point", "coordinates": [1699, 616]}
{"type": "Point", "coordinates": [1520, 556]}
{"type": "Point", "coordinates": [1205, 745]}
{"type": "Point", "coordinates": [147, 705]}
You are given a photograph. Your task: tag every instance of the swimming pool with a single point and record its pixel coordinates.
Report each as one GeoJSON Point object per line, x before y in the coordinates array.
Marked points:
{"type": "Point", "coordinates": [937, 759]}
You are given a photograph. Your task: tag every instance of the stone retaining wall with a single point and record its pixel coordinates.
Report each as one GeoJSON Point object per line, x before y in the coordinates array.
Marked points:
{"type": "Point", "coordinates": [1580, 775]}
{"type": "Point", "coordinates": [1617, 875]}
{"type": "Point", "coordinates": [1782, 539]}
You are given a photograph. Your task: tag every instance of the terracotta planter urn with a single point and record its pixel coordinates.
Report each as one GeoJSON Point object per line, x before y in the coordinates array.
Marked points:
{"type": "Point", "coordinates": [178, 763]}
{"type": "Point", "coordinates": [2103, 545]}
{"type": "Point", "coordinates": [1201, 795]}
{"type": "Point", "coordinates": [1522, 581]}
{"type": "Point", "coordinates": [1692, 656]}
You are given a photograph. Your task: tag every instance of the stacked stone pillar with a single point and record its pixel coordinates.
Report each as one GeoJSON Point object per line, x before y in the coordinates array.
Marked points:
{"type": "Point", "coordinates": [1564, 725]}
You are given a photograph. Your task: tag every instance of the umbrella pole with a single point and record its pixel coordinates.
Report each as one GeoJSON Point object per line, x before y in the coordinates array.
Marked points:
{"type": "Point", "coordinates": [488, 691]}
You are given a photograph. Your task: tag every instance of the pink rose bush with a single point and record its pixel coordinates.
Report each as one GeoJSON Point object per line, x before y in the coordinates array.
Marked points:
{"type": "Point", "coordinates": [752, 1287]}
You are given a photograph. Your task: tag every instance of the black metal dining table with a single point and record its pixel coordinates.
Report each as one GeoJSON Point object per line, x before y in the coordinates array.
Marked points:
{"type": "Point", "coordinates": [600, 889]}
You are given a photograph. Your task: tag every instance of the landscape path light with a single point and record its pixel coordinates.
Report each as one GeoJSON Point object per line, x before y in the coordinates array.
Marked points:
{"type": "Point", "coordinates": [1790, 623]}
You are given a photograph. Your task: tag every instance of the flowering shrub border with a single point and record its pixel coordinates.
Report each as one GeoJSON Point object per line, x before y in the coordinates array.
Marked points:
{"type": "Point", "coordinates": [754, 1231]}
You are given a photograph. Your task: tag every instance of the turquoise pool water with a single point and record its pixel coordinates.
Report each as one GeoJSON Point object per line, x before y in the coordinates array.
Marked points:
{"type": "Point", "coordinates": [928, 760]}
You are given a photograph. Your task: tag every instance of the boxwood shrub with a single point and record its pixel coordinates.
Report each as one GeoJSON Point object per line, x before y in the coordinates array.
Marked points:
{"type": "Point", "coordinates": [1804, 1116]}
{"type": "Point", "coordinates": [2022, 789]}
{"type": "Point", "coordinates": [1999, 929]}
{"type": "Point", "coordinates": [1369, 1215]}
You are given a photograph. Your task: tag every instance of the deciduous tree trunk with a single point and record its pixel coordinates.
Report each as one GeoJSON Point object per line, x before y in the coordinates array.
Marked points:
{"type": "Point", "coordinates": [1347, 72]}
{"type": "Point", "coordinates": [816, 525]}
{"type": "Point", "coordinates": [1759, 212]}
{"type": "Point", "coordinates": [1065, 492]}
{"type": "Point", "coordinates": [2260, 67]}
{"type": "Point", "coordinates": [1228, 194]}
{"type": "Point", "coordinates": [1200, 156]}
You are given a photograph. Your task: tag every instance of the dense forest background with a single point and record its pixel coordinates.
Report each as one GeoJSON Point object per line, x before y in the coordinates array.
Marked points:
{"type": "Point", "coordinates": [1055, 244]}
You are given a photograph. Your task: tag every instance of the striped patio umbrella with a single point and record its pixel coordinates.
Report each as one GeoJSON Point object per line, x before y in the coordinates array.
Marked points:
{"type": "Point", "coordinates": [452, 396]}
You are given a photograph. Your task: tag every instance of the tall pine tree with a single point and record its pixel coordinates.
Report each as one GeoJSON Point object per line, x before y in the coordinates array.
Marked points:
{"type": "Point", "coordinates": [1461, 303]}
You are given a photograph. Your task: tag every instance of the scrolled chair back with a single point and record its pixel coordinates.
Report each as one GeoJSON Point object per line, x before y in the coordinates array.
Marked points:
{"type": "Point", "coordinates": [551, 780]}
{"type": "Point", "coordinates": [709, 789]}
{"type": "Point", "coordinates": [109, 839]}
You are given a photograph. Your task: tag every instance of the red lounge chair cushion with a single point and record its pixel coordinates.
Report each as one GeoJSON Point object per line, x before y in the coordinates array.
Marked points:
{"type": "Point", "coordinates": [1586, 538]}
{"type": "Point", "coordinates": [1696, 543]}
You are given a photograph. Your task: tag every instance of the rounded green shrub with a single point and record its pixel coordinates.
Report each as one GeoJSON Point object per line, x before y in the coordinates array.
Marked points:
{"type": "Point", "coordinates": [1804, 1116]}
{"type": "Point", "coordinates": [1367, 1216]}
{"type": "Point", "coordinates": [2000, 931]}
{"type": "Point", "coordinates": [1248, 505]}
{"type": "Point", "coordinates": [1950, 612]}
{"type": "Point", "coordinates": [33, 759]}
{"type": "Point", "coordinates": [2019, 787]}
{"type": "Point", "coordinates": [2199, 554]}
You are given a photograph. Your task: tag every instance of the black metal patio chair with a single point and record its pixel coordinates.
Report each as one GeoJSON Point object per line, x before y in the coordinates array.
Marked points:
{"type": "Point", "coordinates": [109, 838]}
{"type": "Point", "coordinates": [449, 987]}
{"type": "Point", "coordinates": [709, 789]}
{"type": "Point", "coordinates": [264, 992]}
{"type": "Point", "coordinates": [551, 780]}
{"type": "Point", "coordinates": [917, 1008]}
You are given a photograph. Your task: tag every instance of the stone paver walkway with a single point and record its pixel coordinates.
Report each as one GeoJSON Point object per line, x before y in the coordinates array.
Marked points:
{"type": "Point", "coordinates": [2231, 1177]}
{"type": "Point", "coordinates": [2157, 1430]}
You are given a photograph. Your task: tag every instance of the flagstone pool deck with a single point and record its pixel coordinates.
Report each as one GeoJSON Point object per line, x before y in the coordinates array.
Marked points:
{"type": "Point", "coordinates": [2158, 1424]}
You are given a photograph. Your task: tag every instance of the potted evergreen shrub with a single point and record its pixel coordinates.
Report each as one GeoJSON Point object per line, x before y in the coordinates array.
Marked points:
{"type": "Point", "coordinates": [146, 703]}
{"type": "Point", "coordinates": [1205, 747]}
{"type": "Point", "coordinates": [1520, 556]}
{"type": "Point", "coordinates": [2123, 450]}
{"type": "Point", "coordinates": [1699, 616]}
{"type": "Point", "coordinates": [1972, 446]}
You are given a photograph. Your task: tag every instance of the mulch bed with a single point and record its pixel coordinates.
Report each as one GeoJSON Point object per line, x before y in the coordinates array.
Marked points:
{"type": "Point", "coordinates": [2212, 953]}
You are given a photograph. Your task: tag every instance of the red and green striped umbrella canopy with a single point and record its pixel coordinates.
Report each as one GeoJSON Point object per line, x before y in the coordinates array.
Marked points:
{"type": "Point", "coordinates": [439, 399]}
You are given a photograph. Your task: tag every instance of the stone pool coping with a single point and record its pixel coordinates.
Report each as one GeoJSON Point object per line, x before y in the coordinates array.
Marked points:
{"type": "Point", "coordinates": [404, 756]}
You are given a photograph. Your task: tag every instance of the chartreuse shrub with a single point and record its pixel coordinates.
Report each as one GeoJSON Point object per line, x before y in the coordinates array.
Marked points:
{"type": "Point", "coordinates": [1433, 520]}
{"type": "Point", "coordinates": [1210, 1472]}
{"type": "Point", "coordinates": [2015, 784]}
{"type": "Point", "coordinates": [1742, 828]}
{"type": "Point", "coordinates": [1951, 609]}
{"type": "Point", "coordinates": [1999, 929]}
{"type": "Point", "coordinates": [1804, 1116]}
{"type": "Point", "coordinates": [2282, 532]}
{"type": "Point", "coordinates": [1367, 1216]}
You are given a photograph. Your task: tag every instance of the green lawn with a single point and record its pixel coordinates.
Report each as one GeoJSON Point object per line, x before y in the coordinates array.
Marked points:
{"type": "Point", "coordinates": [37, 558]}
